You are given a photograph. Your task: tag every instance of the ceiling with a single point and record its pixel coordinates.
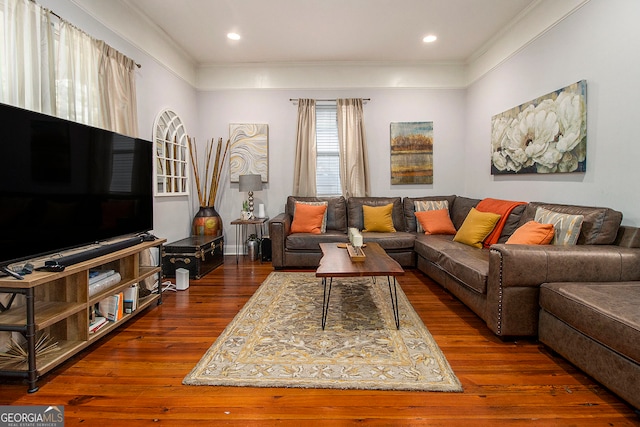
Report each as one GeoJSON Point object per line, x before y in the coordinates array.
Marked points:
{"type": "Point", "coordinates": [295, 31]}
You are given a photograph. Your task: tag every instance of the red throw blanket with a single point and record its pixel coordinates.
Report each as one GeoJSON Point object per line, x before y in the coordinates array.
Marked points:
{"type": "Point", "coordinates": [501, 207]}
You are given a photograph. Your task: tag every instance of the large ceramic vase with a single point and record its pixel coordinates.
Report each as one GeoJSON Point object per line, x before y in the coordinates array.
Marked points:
{"type": "Point", "coordinates": [207, 222]}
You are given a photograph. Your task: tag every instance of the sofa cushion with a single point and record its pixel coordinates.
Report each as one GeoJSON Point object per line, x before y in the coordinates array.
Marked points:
{"type": "Point", "coordinates": [431, 246]}
{"type": "Point", "coordinates": [467, 264]}
{"type": "Point", "coordinates": [311, 242]}
{"type": "Point", "coordinates": [336, 210]}
{"type": "Point", "coordinates": [430, 205]}
{"type": "Point", "coordinates": [435, 221]}
{"type": "Point", "coordinates": [378, 218]}
{"type": "Point", "coordinates": [309, 218]}
{"type": "Point", "coordinates": [606, 312]}
{"type": "Point", "coordinates": [532, 233]}
{"type": "Point", "coordinates": [400, 240]}
{"type": "Point", "coordinates": [460, 209]}
{"type": "Point", "coordinates": [512, 223]}
{"type": "Point", "coordinates": [409, 207]}
{"type": "Point", "coordinates": [355, 215]}
{"type": "Point", "coordinates": [566, 227]}
{"type": "Point", "coordinates": [323, 226]}
{"type": "Point", "coordinates": [476, 227]}
{"type": "Point", "coordinates": [599, 227]}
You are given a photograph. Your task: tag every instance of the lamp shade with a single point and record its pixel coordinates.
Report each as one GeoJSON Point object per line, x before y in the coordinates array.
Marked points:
{"type": "Point", "coordinates": [250, 182]}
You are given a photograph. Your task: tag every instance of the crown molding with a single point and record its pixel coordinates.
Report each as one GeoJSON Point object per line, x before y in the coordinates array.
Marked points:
{"type": "Point", "coordinates": [528, 26]}
{"type": "Point", "coordinates": [124, 18]}
{"type": "Point", "coordinates": [127, 21]}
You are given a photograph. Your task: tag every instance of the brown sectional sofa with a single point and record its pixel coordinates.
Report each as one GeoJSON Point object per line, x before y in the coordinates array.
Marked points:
{"type": "Point", "coordinates": [502, 284]}
{"type": "Point", "coordinates": [588, 292]}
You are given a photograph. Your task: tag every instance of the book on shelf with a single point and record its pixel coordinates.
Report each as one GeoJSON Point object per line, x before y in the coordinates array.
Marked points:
{"type": "Point", "coordinates": [97, 324]}
{"type": "Point", "coordinates": [131, 298]}
{"type": "Point", "coordinates": [111, 307]}
{"type": "Point", "coordinates": [103, 283]}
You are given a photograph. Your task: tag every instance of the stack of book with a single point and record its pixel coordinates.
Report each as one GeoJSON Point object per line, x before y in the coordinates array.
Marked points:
{"type": "Point", "coordinates": [97, 323]}
{"type": "Point", "coordinates": [102, 279]}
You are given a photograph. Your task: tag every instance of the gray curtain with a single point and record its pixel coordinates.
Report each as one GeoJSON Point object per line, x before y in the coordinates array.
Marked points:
{"type": "Point", "coordinates": [304, 174]}
{"type": "Point", "coordinates": [354, 167]}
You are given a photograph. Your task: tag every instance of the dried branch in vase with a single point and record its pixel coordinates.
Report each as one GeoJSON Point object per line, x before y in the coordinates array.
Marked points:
{"type": "Point", "coordinates": [208, 184]}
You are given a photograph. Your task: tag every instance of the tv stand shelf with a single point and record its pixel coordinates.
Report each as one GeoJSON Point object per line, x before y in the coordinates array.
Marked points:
{"type": "Point", "coordinates": [58, 304]}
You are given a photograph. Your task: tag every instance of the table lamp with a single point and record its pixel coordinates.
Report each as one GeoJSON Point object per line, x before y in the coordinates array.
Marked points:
{"type": "Point", "coordinates": [249, 184]}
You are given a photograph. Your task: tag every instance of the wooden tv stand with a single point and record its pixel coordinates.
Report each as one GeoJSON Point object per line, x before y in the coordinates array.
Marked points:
{"type": "Point", "coordinates": [58, 304]}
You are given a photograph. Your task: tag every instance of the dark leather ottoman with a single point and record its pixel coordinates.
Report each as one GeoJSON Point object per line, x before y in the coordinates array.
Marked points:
{"type": "Point", "coordinates": [596, 326]}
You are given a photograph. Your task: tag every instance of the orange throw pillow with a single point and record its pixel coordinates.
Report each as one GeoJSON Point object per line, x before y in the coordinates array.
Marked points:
{"type": "Point", "coordinates": [532, 233]}
{"type": "Point", "coordinates": [436, 222]}
{"type": "Point", "coordinates": [308, 218]}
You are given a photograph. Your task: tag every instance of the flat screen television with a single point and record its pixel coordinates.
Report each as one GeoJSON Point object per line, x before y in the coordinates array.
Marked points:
{"type": "Point", "coordinates": [65, 185]}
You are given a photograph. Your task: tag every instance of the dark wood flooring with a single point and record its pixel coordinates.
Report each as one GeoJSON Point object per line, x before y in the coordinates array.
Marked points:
{"type": "Point", "coordinates": [133, 376]}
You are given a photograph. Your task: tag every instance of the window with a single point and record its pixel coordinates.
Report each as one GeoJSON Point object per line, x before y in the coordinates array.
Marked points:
{"type": "Point", "coordinates": [170, 139]}
{"type": "Point", "coordinates": [327, 151]}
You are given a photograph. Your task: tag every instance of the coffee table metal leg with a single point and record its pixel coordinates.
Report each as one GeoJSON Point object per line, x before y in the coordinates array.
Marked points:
{"type": "Point", "coordinates": [394, 300]}
{"type": "Point", "coordinates": [325, 299]}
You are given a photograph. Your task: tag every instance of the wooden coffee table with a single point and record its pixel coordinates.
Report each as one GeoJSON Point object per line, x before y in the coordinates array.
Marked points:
{"type": "Point", "coordinates": [336, 262]}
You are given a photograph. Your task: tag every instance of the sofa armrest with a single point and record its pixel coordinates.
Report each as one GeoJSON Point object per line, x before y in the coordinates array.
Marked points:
{"type": "Point", "coordinates": [279, 229]}
{"type": "Point", "coordinates": [517, 271]}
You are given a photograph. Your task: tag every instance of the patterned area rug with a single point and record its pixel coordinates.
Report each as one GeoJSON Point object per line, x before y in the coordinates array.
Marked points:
{"type": "Point", "coordinates": [277, 340]}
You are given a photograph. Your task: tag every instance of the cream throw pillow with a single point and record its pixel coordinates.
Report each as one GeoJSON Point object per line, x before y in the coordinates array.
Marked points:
{"type": "Point", "coordinates": [566, 227]}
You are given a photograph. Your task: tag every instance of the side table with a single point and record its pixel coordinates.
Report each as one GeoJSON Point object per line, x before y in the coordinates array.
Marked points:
{"type": "Point", "coordinates": [241, 231]}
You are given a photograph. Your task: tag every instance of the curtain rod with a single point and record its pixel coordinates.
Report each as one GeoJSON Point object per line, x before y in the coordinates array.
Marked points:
{"type": "Point", "coordinates": [324, 100]}
{"type": "Point", "coordinates": [58, 16]}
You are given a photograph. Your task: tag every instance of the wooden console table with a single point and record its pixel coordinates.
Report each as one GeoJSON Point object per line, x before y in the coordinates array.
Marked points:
{"type": "Point", "coordinates": [59, 304]}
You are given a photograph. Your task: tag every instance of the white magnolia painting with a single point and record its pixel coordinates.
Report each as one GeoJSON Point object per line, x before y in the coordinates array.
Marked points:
{"type": "Point", "coordinates": [546, 135]}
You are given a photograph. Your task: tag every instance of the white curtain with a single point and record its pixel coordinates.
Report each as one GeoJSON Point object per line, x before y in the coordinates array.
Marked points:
{"type": "Point", "coordinates": [78, 89]}
{"type": "Point", "coordinates": [304, 174]}
{"type": "Point", "coordinates": [50, 66]}
{"type": "Point", "coordinates": [354, 166]}
{"type": "Point", "coordinates": [117, 90]}
{"type": "Point", "coordinates": [27, 79]}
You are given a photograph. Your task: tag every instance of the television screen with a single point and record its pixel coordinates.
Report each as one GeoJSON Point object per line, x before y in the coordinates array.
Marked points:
{"type": "Point", "coordinates": [64, 184]}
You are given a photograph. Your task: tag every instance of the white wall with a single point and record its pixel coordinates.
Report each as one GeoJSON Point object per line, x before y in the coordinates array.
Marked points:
{"type": "Point", "coordinates": [601, 44]}
{"type": "Point", "coordinates": [446, 108]}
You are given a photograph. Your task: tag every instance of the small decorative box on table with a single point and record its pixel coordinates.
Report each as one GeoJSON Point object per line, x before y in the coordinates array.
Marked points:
{"type": "Point", "coordinates": [198, 254]}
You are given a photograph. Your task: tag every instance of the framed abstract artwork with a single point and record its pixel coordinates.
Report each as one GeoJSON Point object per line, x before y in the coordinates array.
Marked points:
{"type": "Point", "coordinates": [545, 135]}
{"type": "Point", "coordinates": [248, 150]}
{"type": "Point", "coordinates": [412, 153]}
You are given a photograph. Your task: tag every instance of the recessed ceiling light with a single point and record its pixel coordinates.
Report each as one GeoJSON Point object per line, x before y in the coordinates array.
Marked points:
{"type": "Point", "coordinates": [233, 36]}
{"type": "Point", "coordinates": [430, 38]}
